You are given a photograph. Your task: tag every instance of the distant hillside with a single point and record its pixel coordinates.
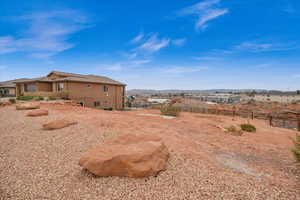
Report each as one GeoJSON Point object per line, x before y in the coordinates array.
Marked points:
{"type": "Point", "coordinates": [144, 92]}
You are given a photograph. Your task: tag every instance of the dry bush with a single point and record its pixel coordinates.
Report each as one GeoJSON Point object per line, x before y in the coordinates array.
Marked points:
{"type": "Point", "coordinates": [13, 101]}
{"type": "Point", "coordinates": [248, 127]}
{"type": "Point", "coordinates": [234, 131]}
{"type": "Point", "coordinates": [170, 110]}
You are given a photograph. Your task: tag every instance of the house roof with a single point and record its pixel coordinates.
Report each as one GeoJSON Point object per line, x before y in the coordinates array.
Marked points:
{"type": "Point", "coordinates": [11, 83]}
{"type": "Point", "coordinates": [76, 78]}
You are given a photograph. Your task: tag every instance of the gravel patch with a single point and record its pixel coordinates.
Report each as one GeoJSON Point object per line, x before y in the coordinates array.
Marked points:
{"type": "Point", "coordinates": [37, 164]}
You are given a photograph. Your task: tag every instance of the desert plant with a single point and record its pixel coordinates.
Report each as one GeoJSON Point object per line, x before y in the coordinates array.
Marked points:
{"type": "Point", "coordinates": [234, 131]}
{"type": "Point", "coordinates": [296, 150]}
{"type": "Point", "coordinates": [12, 101]}
{"type": "Point", "coordinates": [39, 98]}
{"type": "Point", "coordinates": [248, 127]}
{"type": "Point", "coordinates": [25, 98]}
{"type": "Point", "coordinates": [170, 110]}
{"type": "Point", "coordinates": [52, 98]}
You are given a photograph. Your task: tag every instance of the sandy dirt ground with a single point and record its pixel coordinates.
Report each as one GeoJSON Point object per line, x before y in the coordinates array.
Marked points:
{"type": "Point", "coordinates": [205, 162]}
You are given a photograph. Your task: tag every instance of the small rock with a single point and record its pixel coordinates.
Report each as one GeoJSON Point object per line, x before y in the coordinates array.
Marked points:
{"type": "Point", "coordinates": [58, 124]}
{"type": "Point", "coordinates": [28, 106]}
{"type": "Point", "coordinates": [37, 113]}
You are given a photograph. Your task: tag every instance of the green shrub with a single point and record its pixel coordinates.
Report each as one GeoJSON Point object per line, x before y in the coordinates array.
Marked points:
{"type": "Point", "coordinates": [12, 100]}
{"type": "Point", "coordinates": [248, 127]}
{"type": "Point", "coordinates": [234, 131]}
{"type": "Point", "coordinates": [39, 98]}
{"type": "Point", "coordinates": [28, 98]}
{"type": "Point", "coordinates": [25, 98]}
{"type": "Point", "coordinates": [52, 98]}
{"type": "Point", "coordinates": [296, 150]}
{"type": "Point", "coordinates": [170, 110]}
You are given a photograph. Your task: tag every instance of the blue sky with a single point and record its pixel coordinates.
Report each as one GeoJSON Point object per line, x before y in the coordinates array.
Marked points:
{"type": "Point", "coordinates": [170, 44]}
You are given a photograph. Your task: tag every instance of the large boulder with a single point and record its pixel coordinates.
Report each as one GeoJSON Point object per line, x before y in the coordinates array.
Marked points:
{"type": "Point", "coordinates": [28, 106]}
{"type": "Point", "coordinates": [58, 124]}
{"type": "Point", "coordinates": [37, 113]}
{"type": "Point", "coordinates": [130, 156]}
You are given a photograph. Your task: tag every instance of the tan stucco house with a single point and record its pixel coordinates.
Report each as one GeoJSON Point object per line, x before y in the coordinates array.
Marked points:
{"type": "Point", "coordinates": [8, 88]}
{"type": "Point", "coordinates": [88, 90]}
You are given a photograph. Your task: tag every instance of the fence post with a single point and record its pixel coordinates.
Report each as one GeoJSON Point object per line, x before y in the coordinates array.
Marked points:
{"type": "Point", "coordinates": [252, 115]}
{"type": "Point", "coordinates": [299, 124]}
{"type": "Point", "coordinates": [270, 120]}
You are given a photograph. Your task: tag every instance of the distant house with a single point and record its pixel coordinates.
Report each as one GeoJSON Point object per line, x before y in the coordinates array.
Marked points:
{"type": "Point", "coordinates": [277, 98]}
{"type": "Point", "coordinates": [8, 88]}
{"type": "Point", "coordinates": [88, 90]}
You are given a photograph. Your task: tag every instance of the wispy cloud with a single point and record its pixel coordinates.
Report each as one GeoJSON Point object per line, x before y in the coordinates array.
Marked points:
{"type": "Point", "coordinates": [256, 47]}
{"type": "Point", "coordinates": [153, 44]}
{"type": "Point", "coordinates": [47, 33]}
{"type": "Point", "coordinates": [184, 69]}
{"type": "Point", "coordinates": [263, 47]}
{"type": "Point", "coordinates": [207, 58]}
{"type": "Point", "coordinates": [137, 38]}
{"type": "Point", "coordinates": [114, 67]}
{"type": "Point", "coordinates": [124, 65]}
{"type": "Point", "coordinates": [179, 42]}
{"type": "Point", "coordinates": [297, 76]}
{"type": "Point", "coordinates": [205, 11]}
{"type": "Point", "coordinates": [140, 62]}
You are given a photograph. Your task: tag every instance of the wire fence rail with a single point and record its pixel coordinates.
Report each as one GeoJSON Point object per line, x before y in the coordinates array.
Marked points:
{"type": "Point", "coordinates": [290, 120]}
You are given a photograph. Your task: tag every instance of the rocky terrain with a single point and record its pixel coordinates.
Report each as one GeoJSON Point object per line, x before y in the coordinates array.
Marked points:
{"type": "Point", "coordinates": [204, 161]}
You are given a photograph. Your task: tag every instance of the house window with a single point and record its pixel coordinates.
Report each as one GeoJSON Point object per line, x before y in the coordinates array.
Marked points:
{"type": "Point", "coordinates": [60, 86]}
{"type": "Point", "coordinates": [88, 86]}
{"type": "Point", "coordinates": [96, 103]}
{"type": "Point", "coordinates": [105, 88]}
{"type": "Point", "coordinates": [30, 88]}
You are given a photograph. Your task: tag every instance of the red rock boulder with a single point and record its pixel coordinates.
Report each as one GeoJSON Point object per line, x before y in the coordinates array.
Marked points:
{"type": "Point", "coordinates": [28, 106]}
{"type": "Point", "coordinates": [37, 113]}
{"type": "Point", "coordinates": [130, 156]}
{"type": "Point", "coordinates": [58, 124]}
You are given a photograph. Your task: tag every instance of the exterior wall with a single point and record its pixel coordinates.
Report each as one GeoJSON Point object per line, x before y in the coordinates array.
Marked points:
{"type": "Point", "coordinates": [81, 93]}
{"type": "Point", "coordinates": [44, 87]}
{"type": "Point", "coordinates": [10, 92]}
{"type": "Point", "coordinates": [89, 93]}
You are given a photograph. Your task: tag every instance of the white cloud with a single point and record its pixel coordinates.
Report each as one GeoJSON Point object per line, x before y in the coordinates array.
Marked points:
{"type": "Point", "coordinates": [138, 38]}
{"type": "Point", "coordinates": [114, 67]}
{"type": "Point", "coordinates": [140, 62]}
{"type": "Point", "coordinates": [47, 33]}
{"type": "Point", "coordinates": [179, 42]}
{"type": "Point", "coordinates": [205, 11]}
{"type": "Point", "coordinates": [120, 66]}
{"type": "Point", "coordinates": [207, 58]}
{"type": "Point", "coordinates": [255, 47]}
{"type": "Point", "coordinates": [6, 45]}
{"type": "Point", "coordinates": [184, 69]}
{"type": "Point", "coordinates": [153, 44]}
{"type": "Point", "coordinates": [263, 47]}
{"type": "Point", "coordinates": [201, 23]}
